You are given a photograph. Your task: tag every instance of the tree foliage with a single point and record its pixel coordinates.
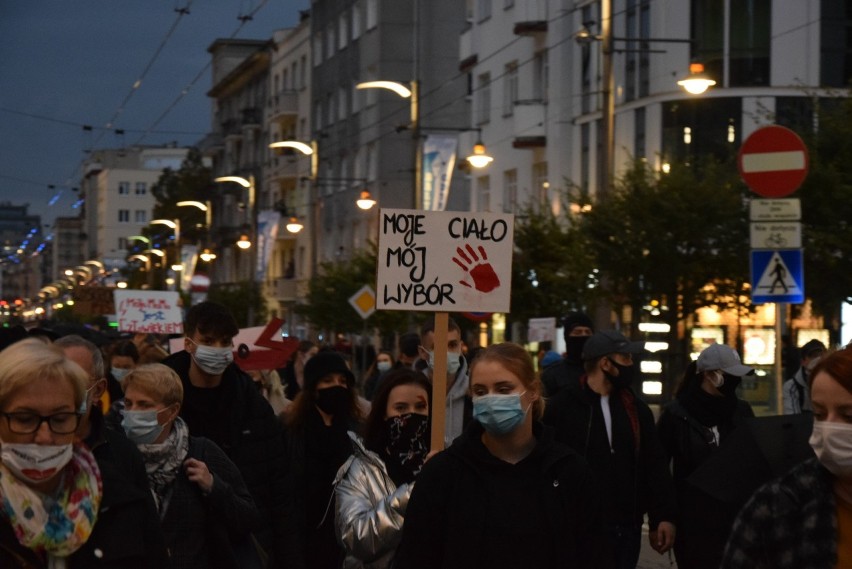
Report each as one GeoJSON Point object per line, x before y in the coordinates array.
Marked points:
{"type": "Point", "coordinates": [826, 198]}
{"type": "Point", "coordinates": [327, 306]}
{"type": "Point", "coordinates": [193, 182]}
{"type": "Point", "coordinates": [551, 267]}
{"type": "Point", "coordinates": [679, 238]}
{"type": "Point", "coordinates": [243, 299]}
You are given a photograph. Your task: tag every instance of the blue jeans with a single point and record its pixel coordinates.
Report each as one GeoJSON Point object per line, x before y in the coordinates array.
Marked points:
{"type": "Point", "coordinates": [625, 541]}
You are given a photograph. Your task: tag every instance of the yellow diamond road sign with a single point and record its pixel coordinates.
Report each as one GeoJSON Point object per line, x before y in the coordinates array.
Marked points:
{"type": "Point", "coordinates": [364, 301]}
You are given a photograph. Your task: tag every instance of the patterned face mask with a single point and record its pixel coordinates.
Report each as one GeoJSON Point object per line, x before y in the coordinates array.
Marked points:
{"type": "Point", "coordinates": [407, 444]}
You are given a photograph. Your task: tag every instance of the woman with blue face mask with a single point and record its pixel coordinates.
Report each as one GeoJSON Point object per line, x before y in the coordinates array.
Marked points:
{"type": "Point", "coordinates": [377, 372]}
{"type": "Point", "coordinates": [206, 512]}
{"type": "Point", "coordinates": [505, 494]}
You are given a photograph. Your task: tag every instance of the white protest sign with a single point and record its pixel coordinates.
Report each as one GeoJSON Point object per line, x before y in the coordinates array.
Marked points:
{"type": "Point", "coordinates": [541, 330]}
{"type": "Point", "coordinates": [149, 311]}
{"type": "Point", "coordinates": [444, 261]}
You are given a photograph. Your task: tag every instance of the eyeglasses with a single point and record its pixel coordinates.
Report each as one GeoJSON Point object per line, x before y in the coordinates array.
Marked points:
{"type": "Point", "coordinates": [24, 423]}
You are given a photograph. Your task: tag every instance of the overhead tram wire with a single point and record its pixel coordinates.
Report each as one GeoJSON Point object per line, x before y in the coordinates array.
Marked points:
{"type": "Point", "coordinates": [181, 12]}
{"type": "Point", "coordinates": [244, 19]}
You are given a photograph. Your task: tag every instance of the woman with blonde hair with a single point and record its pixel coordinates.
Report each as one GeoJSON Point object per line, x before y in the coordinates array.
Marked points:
{"type": "Point", "coordinates": [206, 511]}
{"type": "Point", "coordinates": [50, 485]}
{"type": "Point", "coordinates": [505, 494]}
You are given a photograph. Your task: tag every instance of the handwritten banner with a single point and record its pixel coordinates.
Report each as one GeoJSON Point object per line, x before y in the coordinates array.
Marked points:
{"type": "Point", "coordinates": [93, 300]}
{"type": "Point", "coordinates": [444, 261]}
{"type": "Point", "coordinates": [150, 311]}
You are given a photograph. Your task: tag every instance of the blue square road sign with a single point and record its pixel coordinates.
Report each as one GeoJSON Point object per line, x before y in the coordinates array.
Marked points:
{"type": "Point", "coordinates": [777, 276]}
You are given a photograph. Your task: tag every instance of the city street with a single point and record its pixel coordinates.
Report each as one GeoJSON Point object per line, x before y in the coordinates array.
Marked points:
{"type": "Point", "coordinates": [650, 559]}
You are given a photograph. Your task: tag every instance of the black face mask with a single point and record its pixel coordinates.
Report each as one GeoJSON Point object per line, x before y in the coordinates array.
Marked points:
{"type": "Point", "coordinates": [574, 347]}
{"type": "Point", "coordinates": [729, 385]}
{"type": "Point", "coordinates": [625, 375]}
{"type": "Point", "coordinates": [334, 400]}
{"type": "Point", "coordinates": [406, 446]}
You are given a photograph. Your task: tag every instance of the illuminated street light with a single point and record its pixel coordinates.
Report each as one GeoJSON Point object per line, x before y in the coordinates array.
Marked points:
{"type": "Point", "coordinates": [394, 86]}
{"type": "Point", "coordinates": [697, 82]}
{"type": "Point", "coordinates": [236, 179]}
{"type": "Point", "coordinates": [244, 242]}
{"type": "Point", "coordinates": [207, 255]}
{"type": "Point", "coordinates": [366, 200]}
{"type": "Point", "coordinates": [305, 149]}
{"type": "Point", "coordinates": [479, 158]}
{"type": "Point", "coordinates": [294, 225]}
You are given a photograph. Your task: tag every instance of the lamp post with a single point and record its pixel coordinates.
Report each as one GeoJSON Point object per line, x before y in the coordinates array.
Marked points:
{"type": "Point", "coordinates": [249, 185]}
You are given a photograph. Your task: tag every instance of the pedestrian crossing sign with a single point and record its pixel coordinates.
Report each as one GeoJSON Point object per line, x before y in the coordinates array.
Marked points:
{"type": "Point", "coordinates": [777, 276]}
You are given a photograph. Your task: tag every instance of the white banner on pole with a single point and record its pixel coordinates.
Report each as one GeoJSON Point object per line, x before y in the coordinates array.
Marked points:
{"type": "Point", "coordinates": [150, 311]}
{"type": "Point", "coordinates": [444, 261]}
{"type": "Point", "coordinates": [267, 232]}
{"type": "Point", "coordinates": [439, 159]}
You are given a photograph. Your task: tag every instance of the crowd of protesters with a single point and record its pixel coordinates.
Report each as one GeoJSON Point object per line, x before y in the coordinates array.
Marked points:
{"type": "Point", "coordinates": [123, 455]}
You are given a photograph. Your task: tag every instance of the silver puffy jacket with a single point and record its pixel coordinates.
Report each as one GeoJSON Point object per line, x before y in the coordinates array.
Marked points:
{"type": "Point", "coordinates": [370, 510]}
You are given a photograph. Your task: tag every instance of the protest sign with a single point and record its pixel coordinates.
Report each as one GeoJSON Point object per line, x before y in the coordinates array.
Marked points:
{"type": "Point", "coordinates": [444, 261]}
{"type": "Point", "coordinates": [148, 311]}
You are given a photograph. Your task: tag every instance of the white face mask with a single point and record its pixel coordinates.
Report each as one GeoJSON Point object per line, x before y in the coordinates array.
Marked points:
{"type": "Point", "coordinates": [717, 378]}
{"type": "Point", "coordinates": [212, 361]}
{"type": "Point", "coordinates": [453, 362]}
{"type": "Point", "coordinates": [832, 443]}
{"type": "Point", "coordinates": [35, 463]}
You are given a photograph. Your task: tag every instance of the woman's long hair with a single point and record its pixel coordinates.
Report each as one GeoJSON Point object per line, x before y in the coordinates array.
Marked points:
{"type": "Point", "coordinates": [374, 427]}
{"type": "Point", "coordinates": [690, 377]}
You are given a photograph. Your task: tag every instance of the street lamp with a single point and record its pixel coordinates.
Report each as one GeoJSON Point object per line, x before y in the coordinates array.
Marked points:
{"type": "Point", "coordinates": [479, 158]}
{"type": "Point", "coordinates": [697, 82]}
{"type": "Point", "coordinates": [365, 201]}
{"type": "Point", "coordinates": [294, 225]}
{"type": "Point", "coordinates": [245, 242]}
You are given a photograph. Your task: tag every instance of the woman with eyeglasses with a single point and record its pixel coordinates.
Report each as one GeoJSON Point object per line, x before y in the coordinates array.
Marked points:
{"type": "Point", "coordinates": [50, 485]}
{"type": "Point", "coordinates": [206, 512]}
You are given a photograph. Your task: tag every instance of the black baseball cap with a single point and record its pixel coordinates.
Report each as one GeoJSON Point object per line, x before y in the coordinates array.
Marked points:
{"type": "Point", "coordinates": [610, 342]}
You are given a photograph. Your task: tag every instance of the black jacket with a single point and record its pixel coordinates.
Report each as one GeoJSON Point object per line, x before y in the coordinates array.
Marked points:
{"type": "Point", "coordinates": [241, 422]}
{"type": "Point", "coordinates": [204, 531]}
{"type": "Point", "coordinates": [127, 533]}
{"type": "Point", "coordinates": [633, 483]}
{"type": "Point", "coordinates": [446, 523]}
{"type": "Point", "coordinates": [704, 522]}
{"type": "Point", "coordinates": [564, 374]}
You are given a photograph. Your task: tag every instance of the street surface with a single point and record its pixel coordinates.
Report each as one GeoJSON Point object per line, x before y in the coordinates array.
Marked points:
{"type": "Point", "coordinates": [650, 559]}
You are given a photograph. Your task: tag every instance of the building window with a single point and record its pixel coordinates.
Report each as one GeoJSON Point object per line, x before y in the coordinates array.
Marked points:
{"type": "Point", "coordinates": [539, 181]}
{"type": "Point", "coordinates": [639, 133]}
{"type": "Point", "coordinates": [483, 9]}
{"type": "Point", "coordinates": [541, 76]}
{"type": "Point", "coordinates": [141, 188]}
{"type": "Point", "coordinates": [140, 216]}
{"type": "Point", "coordinates": [510, 191]}
{"type": "Point", "coordinates": [585, 151]}
{"type": "Point", "coordinates": [317, 49]}
{"type": "Point", "coordinates": [123, 215]}
{"type": "Point", "coordinates": [341, 31]}
{"type": "Point", "coordinates": [710, 122]}
{"type": "Point", "coordinates": [329, 41]}
{"type": "Point", "coordinates": [303, 70]}
{"type": "Point", "coordinates": [342, 103]}
{"type": "Point", "coordinates": [483, 193]}
{"type": "Point", "coordinates": [124, 188]}
{"type": "Point", "coordinates": [356, 20]}
{"type": "Point", "coordinates": [483, 98]}
{"type": "Point", "coordinates": [122, 243]}
{"type": "Point", "coordinates": [836, 38]}
{"type": "Point", "coordinates": [372, 14]}
{"type": "Point", "coordinates": [510, 88]}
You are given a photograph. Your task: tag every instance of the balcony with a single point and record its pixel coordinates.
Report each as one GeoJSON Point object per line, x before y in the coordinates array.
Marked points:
{"type": "Point", "coordinates": [284, 167]}
{"type": "Point", "coordinates": [284, 290]}
{"type": "Point", "coordinates": [530, 17]}
{"type": "Point", "coordinates": [529, 118]}
{"type": "Point", "coordinates": [284, 103]}
{"type": "Point", "coordinates": [467, 57]}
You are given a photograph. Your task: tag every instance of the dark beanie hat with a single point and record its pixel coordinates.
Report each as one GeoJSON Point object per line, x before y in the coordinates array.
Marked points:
{"type": "Point", "coordinates": [323, 364]}
{"type": "Point", "coordinates": [408, 344]}
{"type": "Point", "coordinates": [574, 319]}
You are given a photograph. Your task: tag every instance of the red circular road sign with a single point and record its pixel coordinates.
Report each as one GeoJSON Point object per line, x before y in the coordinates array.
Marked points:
{"type": "Point", "coordinates": [773, 161]}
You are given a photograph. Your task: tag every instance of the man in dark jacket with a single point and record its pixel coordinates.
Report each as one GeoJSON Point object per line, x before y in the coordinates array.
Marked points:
{"type": "Point", "coordinates": [221, 403]}
{"type": "Point", "coordinates": [614, 431]}
{"type": "Point", "coordinates": [127, 534]}
{"type": "Point", "coordinates": [565, 374]}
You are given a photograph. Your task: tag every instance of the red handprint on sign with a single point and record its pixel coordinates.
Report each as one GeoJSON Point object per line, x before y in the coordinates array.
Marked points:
{"type": "Point", "coordinates": [483, 275]}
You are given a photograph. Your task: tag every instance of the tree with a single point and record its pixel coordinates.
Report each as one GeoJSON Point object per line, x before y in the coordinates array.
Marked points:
{"type": "Point", "coordinates": [551, 270]}
{"type": "Point", "coordinates": [327, 305]}
{"type": "Point", "coordinates": [243, 299]}
{"type": "Point", "coordinates": [192, 182]}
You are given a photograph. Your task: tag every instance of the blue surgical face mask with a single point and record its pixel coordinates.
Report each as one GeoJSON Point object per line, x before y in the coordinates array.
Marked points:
{"type": "Point", "coordinates": [498, 413]}
{"type": "Point", "coordinates": [383, 366]}
{"type": "Point", "coordinates": [453, 362]}
{"type": "Point", "coordinates": [212, 360]}
{"type": "Point", "coordinates": [142, 427]}
{"type": "Point", "coordinates": [119, 372]}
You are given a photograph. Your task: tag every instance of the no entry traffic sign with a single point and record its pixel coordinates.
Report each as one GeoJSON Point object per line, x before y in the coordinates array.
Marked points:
{"type": "Point", "coordinates": [773, 161]}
